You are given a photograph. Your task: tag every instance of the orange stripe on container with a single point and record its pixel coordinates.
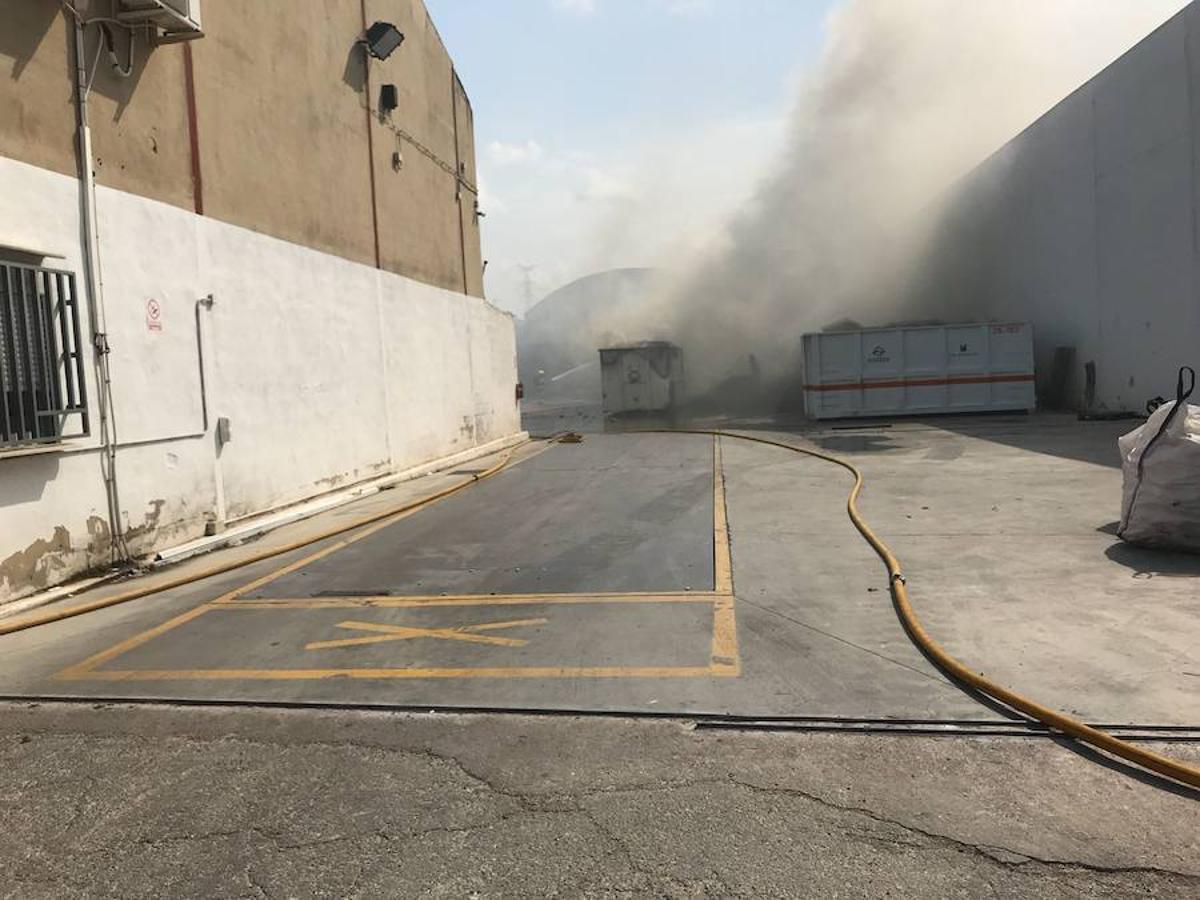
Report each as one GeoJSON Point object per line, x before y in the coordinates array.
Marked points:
{"type": "Point", "coordinates": [917, 382]}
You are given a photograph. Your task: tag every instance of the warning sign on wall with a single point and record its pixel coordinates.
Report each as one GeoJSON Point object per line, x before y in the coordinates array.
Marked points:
{"type": "Point", "coordinates": [153, 315]}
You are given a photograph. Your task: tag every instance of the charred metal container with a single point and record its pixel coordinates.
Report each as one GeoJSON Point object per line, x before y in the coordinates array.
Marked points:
{"type": "Point", "coordinates": [643, 377]}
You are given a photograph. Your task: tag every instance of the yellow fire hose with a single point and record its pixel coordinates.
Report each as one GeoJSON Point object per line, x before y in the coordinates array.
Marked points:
{"type": "Point", "coordinates": [20, 624]}
{"type": "Point", "coordinates": [1155, 762]}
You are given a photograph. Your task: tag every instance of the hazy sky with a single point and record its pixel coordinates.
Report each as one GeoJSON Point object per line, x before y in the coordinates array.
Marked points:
{"type": "Point", "coordinates": [619, 132]}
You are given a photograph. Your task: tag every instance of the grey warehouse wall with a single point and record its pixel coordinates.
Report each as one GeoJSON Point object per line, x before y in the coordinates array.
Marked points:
{"type": "Point", "coordinates": [1086, 225]}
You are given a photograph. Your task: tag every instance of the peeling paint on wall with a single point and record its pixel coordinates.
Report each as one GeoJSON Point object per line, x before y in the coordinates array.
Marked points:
{"type": "Point", "coordinates": [359, 473]}
{"type": "Point", "coordinates": [36, 563]}
{"type": "Point", "coordinates": [149, 524]}
{"type": "Point", "coordinates": [396, 374]}
{"type": "Point", "coordinates": [99, 537]}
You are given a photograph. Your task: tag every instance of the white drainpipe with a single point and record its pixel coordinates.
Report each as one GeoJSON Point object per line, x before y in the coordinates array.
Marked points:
{"type": "Point", "coordinates": [95, 293]}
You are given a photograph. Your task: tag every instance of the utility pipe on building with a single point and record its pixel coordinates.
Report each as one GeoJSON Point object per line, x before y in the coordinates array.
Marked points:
{"type": "Point", "coordinates": [93, 277]}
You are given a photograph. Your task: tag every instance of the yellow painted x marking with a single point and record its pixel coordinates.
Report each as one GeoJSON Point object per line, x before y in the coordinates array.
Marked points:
{"type": "Point", "coordinates": [469, 633]}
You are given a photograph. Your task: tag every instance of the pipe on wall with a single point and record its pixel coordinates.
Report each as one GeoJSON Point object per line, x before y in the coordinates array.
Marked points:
{"type": "Point", "coordinates": [458, 180]}
{"type": "Point", "coordinates": [370, 139]}
{"type": "Point", "coordinates": [94, 279]}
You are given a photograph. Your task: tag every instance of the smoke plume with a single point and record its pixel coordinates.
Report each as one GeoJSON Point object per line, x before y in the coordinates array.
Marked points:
{"type": "Point", "coordinates": [907, 97]}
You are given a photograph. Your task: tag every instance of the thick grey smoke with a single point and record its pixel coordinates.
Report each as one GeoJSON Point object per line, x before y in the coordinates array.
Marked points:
{"type": "Point", "coordinates": [908, 96]}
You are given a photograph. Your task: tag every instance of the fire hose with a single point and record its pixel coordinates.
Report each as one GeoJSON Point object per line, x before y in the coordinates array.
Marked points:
{"type": "Point", "coordinates": [57, 615]}
{"type": "Point", "coordinates": [948, 664]}
{"type": "Point", "coordinates": [1147, 759]}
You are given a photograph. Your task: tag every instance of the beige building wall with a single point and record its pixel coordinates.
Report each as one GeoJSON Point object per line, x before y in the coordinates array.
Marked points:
{"type": "Point", "coordinates": [282, 135]}
{"type": "Point", "coordinates": [287, 134]}
{"type": "Point", "coordinates": [37, 113]}
{"type": "Point", "coordinates": [472, 244]}
{"type": "Point", "coordinates": [139, 124]}
{"type": "Point", "coordinates": [419, 218]}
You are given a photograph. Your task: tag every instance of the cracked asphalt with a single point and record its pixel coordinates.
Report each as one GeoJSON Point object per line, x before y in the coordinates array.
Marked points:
{"type": "Point", "coordinates": [156, 801]}
{"type": "Point", "coordinates": [103, 798]}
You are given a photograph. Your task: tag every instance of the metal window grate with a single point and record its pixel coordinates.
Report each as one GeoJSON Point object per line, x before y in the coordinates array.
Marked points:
{"type": "Point", "coordinates": [41, 357]}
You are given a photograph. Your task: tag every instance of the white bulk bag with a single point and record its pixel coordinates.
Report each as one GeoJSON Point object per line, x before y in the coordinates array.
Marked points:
{"type": "Point", "coordinates": [1160, 461]}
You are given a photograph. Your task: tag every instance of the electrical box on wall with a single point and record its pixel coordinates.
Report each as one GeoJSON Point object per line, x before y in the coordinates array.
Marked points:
{"type": "Point", "coordinates": [389, 98]}
{"type": "Point", "coordinates": [178, 20]}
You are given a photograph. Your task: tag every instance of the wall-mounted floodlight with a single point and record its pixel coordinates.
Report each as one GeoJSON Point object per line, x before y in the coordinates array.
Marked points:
{"type": "Point", "coordinates": [382, 39]}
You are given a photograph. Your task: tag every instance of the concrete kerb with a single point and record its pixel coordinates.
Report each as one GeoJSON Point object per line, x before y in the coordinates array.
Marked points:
{"type": "Point", "coordinates": [60, 592]}
{"type": "Point", "coordinates": [266, 523]}
{"type": "Point", "coordinates": [272, 520]}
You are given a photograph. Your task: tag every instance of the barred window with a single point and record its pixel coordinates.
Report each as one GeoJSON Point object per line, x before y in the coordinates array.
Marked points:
{"type": "Point", "coordinates": [42, 391]}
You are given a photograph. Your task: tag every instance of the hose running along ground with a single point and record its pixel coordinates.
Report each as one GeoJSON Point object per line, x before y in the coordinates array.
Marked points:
{"type": "Point", "coordinates": [1147, 759]}
{"type": "Point", "coordinates": [57, 615]}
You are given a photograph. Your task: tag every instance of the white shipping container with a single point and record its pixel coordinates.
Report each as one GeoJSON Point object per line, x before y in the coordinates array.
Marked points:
{"type": "Point", "coordinates": [645, 377]}
{"type": "Point", "coordinates": [919, 370]}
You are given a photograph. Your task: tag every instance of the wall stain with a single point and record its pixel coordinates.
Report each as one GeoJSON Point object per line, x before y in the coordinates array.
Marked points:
{"type": "Point", "coordinates": [467, 429]}
{"type": "Point", "coordinates": [332, 481]}
{"type": "Point", "coordinates": [356, 474]}
{"type": "Point", "coordinates": [153, 533]}
{"type": "Point", "coordinates": [35, 564]}
{"type": "Point", "coordinates": [99, 538]}
{"type": "Point", "coordinates": [149, 522]}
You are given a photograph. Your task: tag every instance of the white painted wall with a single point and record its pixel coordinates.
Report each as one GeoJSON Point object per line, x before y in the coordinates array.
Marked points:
{"type": "Point", "coordinates": [1086, 225]}
{"type": "Point", "coordinates": [330, 372]}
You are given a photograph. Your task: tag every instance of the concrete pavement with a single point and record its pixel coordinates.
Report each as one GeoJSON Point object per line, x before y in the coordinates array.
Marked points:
{"type": "Point", "coordinates": [630, 573]}
{"type": "Point", "coordinates": [152, 802]}
{"type": "Point", "coordinates": [590, 569]}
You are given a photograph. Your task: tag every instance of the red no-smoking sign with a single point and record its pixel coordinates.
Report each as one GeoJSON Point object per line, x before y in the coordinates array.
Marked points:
{"type": "Point", "coordinates": [153, 315]}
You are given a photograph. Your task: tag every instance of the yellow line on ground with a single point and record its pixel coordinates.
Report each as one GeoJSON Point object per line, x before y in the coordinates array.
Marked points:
{"type": "Point", "coordinates": [467, 633]}
{"type": "Point", "coordinates": [318, 674]}
{"type": "Point", "coordinates": [466, 600]}
{"type": "Point", "coordinates": [154, 587]}
{"type": "Point", "coordinates": [85, 667]}
{"type": "Point", "coordinates": [722, 557]}
{"type": "Point", "coordinates": [313, 557]}
{"type": "Point", "coordinates": [448, 634]}
{"type": "Point", "coordinates": [725, 658]}
{"type": "Point", "coordinates": [346, 542]}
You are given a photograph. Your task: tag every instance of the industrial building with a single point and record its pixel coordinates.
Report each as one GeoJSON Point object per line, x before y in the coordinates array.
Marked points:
{"type": "Point", "coordinates": [239, 268]}
{"type": "Point", "coordinates": [748, 656]}
{"type": "Point", "coordinates": [1085, 225]}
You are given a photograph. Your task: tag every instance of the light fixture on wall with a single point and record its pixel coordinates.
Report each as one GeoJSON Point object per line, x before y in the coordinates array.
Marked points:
{"type": "Point", "coordinates": [382, 39]}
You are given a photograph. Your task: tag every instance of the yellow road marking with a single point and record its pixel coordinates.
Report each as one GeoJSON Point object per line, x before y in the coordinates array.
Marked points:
{"type": "Point", "coordinates": [725, 660]}
{"type": "Point", "coordinates": [722, 564]}
{"type": "Point", "coordinates": [345, 542]}
{"type": "Point", "coordinates": [317, 674]}
{"type": "Point", "coordinates": [468, 633]}
{"type": "Point", "coordinates": [388, 601]}
{"type": "Point", "coordinates": [128, 644]}
{"type": "Point", "coordinates": [724, 663]}
{"type": "Point", "coordinates": [722, 561]}
{"type": "Point", "coordinates": [725, 657]}
{"type": "Point", "coordinates": [313, 557]}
